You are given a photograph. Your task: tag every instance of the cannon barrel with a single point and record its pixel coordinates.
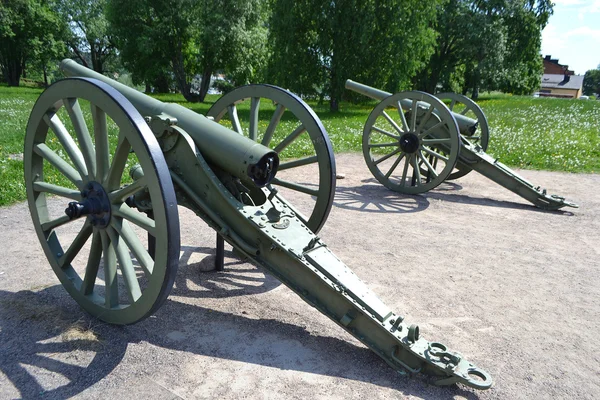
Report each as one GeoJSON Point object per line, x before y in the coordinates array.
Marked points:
{"type": "Point", "coordinates": [234, 153]}
{"type": "Point", "coordinates": [465, 125]}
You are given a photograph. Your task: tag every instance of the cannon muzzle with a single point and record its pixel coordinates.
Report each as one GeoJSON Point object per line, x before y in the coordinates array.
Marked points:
{"type": "Point", "coordinates": [466, 125]}
{"type": "Point", "coordinates": [231, 152]}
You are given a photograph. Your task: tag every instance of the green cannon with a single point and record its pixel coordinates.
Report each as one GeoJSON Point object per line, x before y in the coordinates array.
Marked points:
{"type": "Point", "coordinates": [123, 162]}
{"type": "Point", "coordinates": [412, 142]}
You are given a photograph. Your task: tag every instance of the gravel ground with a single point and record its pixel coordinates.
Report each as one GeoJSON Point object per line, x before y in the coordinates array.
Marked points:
{"type": "Point", "coordinates": [514, 289]}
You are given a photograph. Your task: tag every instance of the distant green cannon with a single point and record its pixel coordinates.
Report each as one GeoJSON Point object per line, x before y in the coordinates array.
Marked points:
{"type": "Point", "coordinates": [123, 168]}
{"type": "Point", "coordinates": [412, 142]}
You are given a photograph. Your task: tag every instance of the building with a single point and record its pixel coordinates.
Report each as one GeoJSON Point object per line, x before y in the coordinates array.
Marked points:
{"type": "Point", "coordinates": [551, 66]}
{"type": "Point", "coordinates": [559, 81]}
{"type": "Point", "coordinates": [565, 86]}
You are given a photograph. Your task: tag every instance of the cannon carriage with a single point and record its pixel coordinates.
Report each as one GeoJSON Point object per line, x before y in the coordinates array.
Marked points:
{"type": "Point", "coordinates": [412, 142]}
{"type": "Point", "coordinates": [123, 167]}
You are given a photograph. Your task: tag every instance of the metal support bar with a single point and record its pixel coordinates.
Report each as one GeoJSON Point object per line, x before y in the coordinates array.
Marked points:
{"type": "Point", "coordinates": [474, 157]}
{"type": "Point", "coordinates": [220, 254]}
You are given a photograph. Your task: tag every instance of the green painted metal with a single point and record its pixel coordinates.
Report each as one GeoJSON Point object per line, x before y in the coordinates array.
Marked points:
{"type": "Point", "coordinates": [254, 220]}
{"type": "Point", "coordinates": [232, 153]}
{"type": "Point", "coordinates": [91, 274]}
{"type": "Point", "coordinates": [463, 105]}
{"type": "Point", "coordinates": [470, 155]}
{"type": "Point", "coordinates": [396, 141]}
{"type": "Point", "coordinates": [320, 183]}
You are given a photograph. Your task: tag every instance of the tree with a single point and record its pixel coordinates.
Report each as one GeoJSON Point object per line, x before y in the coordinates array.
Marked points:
{"type": "Point", "coordinates": [30, 34]}
{"type": "Point", "coordinates": [591, 82]}
{"type": "Point", "coordinates": [494, 44]}
{"type": "Point", "coordinates": [317, 45]}
{"type": "Point", "coordinates": [186, 37]}
{"type": "Point", "coordinates": [523, 66]}
{"type": "Point", "coordinates": [90, 39]}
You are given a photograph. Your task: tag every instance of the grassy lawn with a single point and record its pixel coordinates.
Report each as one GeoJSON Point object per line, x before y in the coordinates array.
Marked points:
{"type": "Point", "coordinates": [525, 132]}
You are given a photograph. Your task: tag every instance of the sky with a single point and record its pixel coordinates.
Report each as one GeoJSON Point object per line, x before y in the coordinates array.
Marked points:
{"type": "Point", "coordinates": [573, 34]}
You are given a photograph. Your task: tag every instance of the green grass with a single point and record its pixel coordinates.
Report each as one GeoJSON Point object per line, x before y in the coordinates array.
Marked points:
{"type": "Point", "coordinates": [526, 132]}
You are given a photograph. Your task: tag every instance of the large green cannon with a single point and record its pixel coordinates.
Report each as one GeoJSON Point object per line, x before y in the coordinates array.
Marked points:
{"type": "Point", "coordinates": [123, 162]}
{"type": "Point", "coordinates": [412, 142]}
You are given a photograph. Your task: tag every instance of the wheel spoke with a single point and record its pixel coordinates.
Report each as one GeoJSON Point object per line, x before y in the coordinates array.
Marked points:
{"type": "Point", "coordinates": [392, 122]}
{"type": "Point", "coordinates": [121, 194]}
{"type": "Point", "coordinates": [428, 165]}
{"type": "Point", "coordinates": [131, 282]}
{"type": "Point", "coordinates": [452, 104]}
{"type": "Point", "coordinates": [124, 211]}
{"type": "Point", "coordinates": [385, 133]}
{"type": "Point", "coordinates": [425, 118]}
{"type": "Point", "coordinates": [76, 246]}
{"type": "Point", "coordinates": [434, 153]}
{"type": "Point", "coordinates": [466, 110]}
{"type": "Point", "coordinates": [288, 140]}
{"type": "Point", "coordinates": [382, 159]}
{"type": "Point", "coordinates": [93, 264]}
{"type": "Point", "coordinates": [113, 181]}
{"type": "Point", "coordinates": [69, 172]}
{"type": "Point", "coordinates": [413, 116]}
{"type": "Point", "coordinates": [273, 125]}
{"type": "Point", "coordinates": [391, 170]}
{"type": "Point", "coordinates": [296, 187]}
{"type": "Point", "coordinates": [83, 135]}
{"type": "Point", "coordinates": [298, 163]}
{"type": "Point", "coordinates": [254, 108]}
{"type": "Point", "coordinates": [432, 129]}
{"type": "Point", "coordinates": [416, 171]}
{"type": "Point", "coordinates": [405, 170]}
{"type": "Point", "coordinates": [101, 141]}
{"type": "Point", "coordinates": [133, 242]}
{"type": "Point", "coordinates": [111, 283]}
{"type": "Point", "coordinates": [402, 116]}
{"type": "Point", "coordinates": [67, 142]}
{"type": "Point", "coordinates": [55, 223]}
{"type": "Point", "coordinates": [235, 119]}
{"type": "Point", "coordinates": [383, 145]}
{"type": "Point", "coordinates": [57, 190]}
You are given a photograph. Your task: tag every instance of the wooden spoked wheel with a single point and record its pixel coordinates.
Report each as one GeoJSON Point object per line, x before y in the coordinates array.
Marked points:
{"type": "Point", "coordinates": [82, 138]}
{"type": "Point", "coordinates": [411, 142]}
{"type": "Point", "coordinates": [465, 106]}
{"type": "Point", "coordinates": [280, 120]}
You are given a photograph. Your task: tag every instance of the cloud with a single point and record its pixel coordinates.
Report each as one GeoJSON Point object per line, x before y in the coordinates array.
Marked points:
{"type": "Point", "coordinates": [586, 31]}
{"type": "Point", "coordinates": [551, 37]}
{"type": "Point", "coordinates": [568, 2]}
{"type": "Point", "coordinates": [583, 6]}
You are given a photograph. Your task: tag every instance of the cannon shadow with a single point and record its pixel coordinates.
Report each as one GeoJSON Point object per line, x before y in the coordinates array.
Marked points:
{"type": "Point", "coordinates": [363, 198]}
{"type": "Point", "coordinates": [376, 198]}
{"type": "Point", "coordinates": [44, 334]}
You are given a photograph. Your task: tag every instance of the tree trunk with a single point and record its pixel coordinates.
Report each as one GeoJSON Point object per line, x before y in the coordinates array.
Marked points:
{"type": "Point", "coordinates": [45, 75]}
{"type": "Point", "coordinates": [13, 73]}
{"type": "Point", "coordinates": [180, 74]}
{"type": "Point", "coordinates": [161, 84]}
{"type": "Point", "coordinates": [205, 84]}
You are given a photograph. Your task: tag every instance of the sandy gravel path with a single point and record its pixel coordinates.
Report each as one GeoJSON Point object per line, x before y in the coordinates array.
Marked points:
{"type": "Point", "coordinates": [514, 289]}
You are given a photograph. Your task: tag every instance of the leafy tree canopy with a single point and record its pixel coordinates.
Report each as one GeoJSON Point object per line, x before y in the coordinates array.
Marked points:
{"type": "Point", "coordinates": [182, 38]}
{"type": "Point", "coordinates": [31, 34]}
{"type": "Point", "coordinates": [317, 45]}
{"type": "Point", "coordinates": [591, 82]}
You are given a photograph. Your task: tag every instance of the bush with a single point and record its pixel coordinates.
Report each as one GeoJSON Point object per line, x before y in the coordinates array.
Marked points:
{"type": "Point", "coordinates": [223, 86]}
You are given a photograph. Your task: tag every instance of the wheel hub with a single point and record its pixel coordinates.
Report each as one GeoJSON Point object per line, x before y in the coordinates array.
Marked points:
{"type": "Point", "coordinates": [95, 205]}
{"type": "Point", "coordinates": [409, 143]}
